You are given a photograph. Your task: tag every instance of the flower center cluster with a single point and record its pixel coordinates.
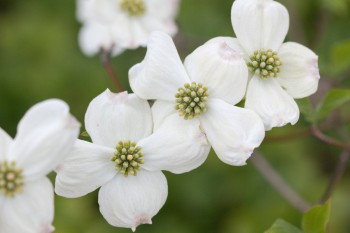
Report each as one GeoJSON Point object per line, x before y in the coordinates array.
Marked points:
{"type": "Point", "coordinates": [128, 158]}
{"type": "Point", "coordinates": [133, 7]}
{"type": "Point", "coordinates": [265, 63]}
{"type": "Point", "coordinates": [11, 179]}
{"type": "Point", "coordinates": [191, 100]}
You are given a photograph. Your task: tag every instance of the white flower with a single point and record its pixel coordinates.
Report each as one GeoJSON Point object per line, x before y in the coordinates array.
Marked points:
{"type": "Point", "coordinates": [117, 25]}
{"type": "Point", "coordinates": [126, 158]}
{"type": "Point", "coordinates": [203, 91]}
{"type": "Point", "coordinates": [45, 135]}
{"type": "Point", "coordinates": [279, 72]}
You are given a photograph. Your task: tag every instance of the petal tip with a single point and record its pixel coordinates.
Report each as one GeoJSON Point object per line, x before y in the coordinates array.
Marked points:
{"type": "Point", "coordinates": [116, 96]}
{"type": "Point", "coordinates": [227, 53]}
{"type": "Point", "coordinates": [314, 70]}
{"type": "Point", "coordinates": [143, 219]}
{"type": "Point", "coordinates": [47, 228]}
{"type": "Point", "coordinates": [72, 122]}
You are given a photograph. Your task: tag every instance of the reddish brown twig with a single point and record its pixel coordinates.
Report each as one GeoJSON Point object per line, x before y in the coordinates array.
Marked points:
{"type": "Point", "coordinates": [329, 140]}
{"type": "Point", "coordinates": [275, 179]}
{"type": "Point", "coordinates": [105, 56]}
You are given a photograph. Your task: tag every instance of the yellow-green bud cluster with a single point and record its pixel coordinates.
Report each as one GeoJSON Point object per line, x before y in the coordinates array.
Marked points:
{"type": "Point", "coordinates": [133, 7]}
{"type": "Point", "coordinates": [128, 158]}
{"type": "Point", "coordinates": [11, 179]}
{"type": "Point", "coordinates": [191, 100]}
{"type": "Point", "coordinates": [265, 63]}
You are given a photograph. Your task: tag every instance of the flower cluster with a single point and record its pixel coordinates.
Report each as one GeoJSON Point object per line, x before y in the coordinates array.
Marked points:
{"type": "Point", "coordinates": [116, 25]}
{"type": "Point", "coordinates": [45, 135]}
{"type": "Point", "coordinates": [132, 142]}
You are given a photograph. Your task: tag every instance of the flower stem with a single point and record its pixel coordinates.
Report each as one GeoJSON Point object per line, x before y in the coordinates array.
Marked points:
{"type": "Point", "coordinates": [337, 174]}
{"type": "Point", "coordinates": [105, 56]}
{"type": "Point", "coordinates": [275, 179]}
{"type": "Point", "coordinates": [329, 140]}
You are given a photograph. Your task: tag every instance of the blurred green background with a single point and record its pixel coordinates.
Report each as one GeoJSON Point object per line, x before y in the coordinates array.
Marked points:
{"type": "Point", "coordinates": [40, 59]}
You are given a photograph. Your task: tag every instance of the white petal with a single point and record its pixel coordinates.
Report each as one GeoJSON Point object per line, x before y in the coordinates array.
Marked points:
{"type": "Point", "coordinates": [128, 33]}
{"type": "Point", "coordinates": [84, 10]}
{"type": "Point", "coordinates": [94, 36]}
{"type": "Point", "coordinates": [221, 69]}
{"type": "Point", "coordinates": [111, 118]}
{"type": "Point", "coordinates": [275, 107]}
{"type": "Point", "coordinates": [44, 137]}
{"type": "Point", "coordinates": [87, 168]}
{"type": "Point", "coordinates": [160, 111]}
{"type": "Point", "coordinates": [161, 73]}
{"type": "Point", "coordinates": [131, 201]}
{"type": "Point", "coordinates": [177, 146]}
{"type": "Point", "coordinates": [259, 24]}
{"type": "Point", "coordinates": [5, 144]}
{"type": "Point", "coordinates": [154, 23]}
{"type": "Point", "coordinates": [163, 8]}
{"type": "Point", "coordinates": [31, 211]}
{"type": "Point", "coordinates": [299, 73]}
{"type": "Point", "coordinates": [233, 43]}
{"type": "Point", "coordinates": [233, 132]}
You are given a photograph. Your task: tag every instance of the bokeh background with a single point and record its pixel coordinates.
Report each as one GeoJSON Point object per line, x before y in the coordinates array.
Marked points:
{"type": "Point", "coordinates": [40, 59]}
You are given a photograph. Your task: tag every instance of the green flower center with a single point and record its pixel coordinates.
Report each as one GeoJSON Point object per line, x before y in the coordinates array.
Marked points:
{"type": "Point", "coordinates": [11, 179]}
{"type": "Point", "coordinates": [133, 7]}
{"type": "Point", "coordinates": [265, 63]}
{"type": "Point", "coordinates": [191, 100]}
{"type": "Point", "coordinates": [128, 158]}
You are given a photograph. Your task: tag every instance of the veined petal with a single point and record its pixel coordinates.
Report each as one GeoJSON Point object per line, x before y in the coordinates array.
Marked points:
{"type": "Point", "coordinates": [219, 68]}
{"type": "Point", "coordinates": [45, 135]}
{"type": "Point", "coordinates": [134, 200]}
{"type": "Point", "coordinates": [87, 168]}
{"type": "Point", "coordinates": [31, 211]}
{"type": "Point", "coordinates": [233, 132]}
{"type": "Point", "coordinates": [177, 146]}
{"type": "Point", "coordinates": [299, 74]}
{"type": "Point", "coordinates": [233, 43]}
{"type": "Point", "coordinates": [161, 73]}
{"type": "Point", "coordinates": [5, 144]}
{"type": "Point", "coordinates": [160, 111]}
{"type": "Point", "coordinates": [111, 118]}
{"type": "Point", "coordinates": [275, 107]}
{"type": "Point", "coordinates": [259, 24]}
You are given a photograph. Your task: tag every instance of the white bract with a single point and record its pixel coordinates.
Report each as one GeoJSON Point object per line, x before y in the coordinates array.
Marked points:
{"type": "Point", "coordinates": [126, 158]}
{"type": "Point", "coordinates": [279, 72]}
{"type": "Point", "coordinates": [116, 25]}
{"type": "Point", "coordinates": [45, 135]}
{"type": "Point", "coordinates": [201, 92]}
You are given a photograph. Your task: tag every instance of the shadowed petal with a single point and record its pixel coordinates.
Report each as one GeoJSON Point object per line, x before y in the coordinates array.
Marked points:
{"type": "Point", "coordinates": [134, 200]}
{"type": "Point", "coordinates": [113, 117]}
{"type": "Point", "coordinates": [232, 131]}
{"type": "Point", "coordinates": [275, 107]}
{"type": "Point", "coordinates": [87, 167]}
{"type": "Point", "coordinates": [259, 24]}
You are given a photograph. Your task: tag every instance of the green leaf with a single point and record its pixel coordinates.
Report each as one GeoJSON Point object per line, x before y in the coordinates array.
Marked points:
{"type": "Point", "coordinates": [306, 109]}
{"type": "Point", "coordinates": [334, 99]}
{"type": "Point", "coordinates": [316, 219]}
{"type": "Point", "coordinates": [281, 226]}
{"type": "Point", "coordinates": [340, 57]}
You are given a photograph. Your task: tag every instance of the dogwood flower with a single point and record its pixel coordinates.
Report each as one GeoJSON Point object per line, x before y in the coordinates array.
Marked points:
{"type": "Point", "coordinates": [116, 25]}
{"type": "Point", "coordinates": [202, 91]}
{"type": "Point", "coordinates": [44, 136]}
{"type": "Point", "coordinates": [126, 158]}
{"type": "Point", "coordinates": [280, 72]}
